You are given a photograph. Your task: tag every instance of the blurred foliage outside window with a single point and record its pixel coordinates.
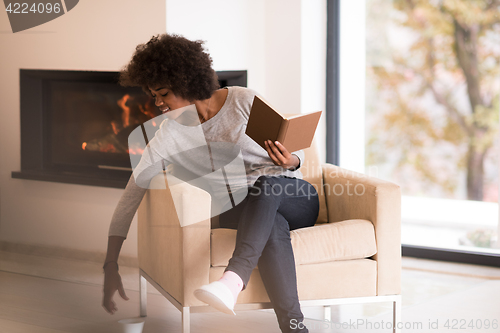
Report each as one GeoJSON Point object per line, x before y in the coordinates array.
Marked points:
{"type": "Point", "coordinates": [433, 86]}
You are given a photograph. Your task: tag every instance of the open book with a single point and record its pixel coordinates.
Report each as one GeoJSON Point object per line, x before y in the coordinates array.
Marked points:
{"type": "Point", "coordinates": [294, 132]}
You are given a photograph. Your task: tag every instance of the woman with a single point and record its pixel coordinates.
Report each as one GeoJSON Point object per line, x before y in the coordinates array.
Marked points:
{"type": "Point", "coordinates": [178, 73]}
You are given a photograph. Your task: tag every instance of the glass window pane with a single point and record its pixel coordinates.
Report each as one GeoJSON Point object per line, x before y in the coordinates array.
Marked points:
{"type": "Point", "coordinates": [432, 116]}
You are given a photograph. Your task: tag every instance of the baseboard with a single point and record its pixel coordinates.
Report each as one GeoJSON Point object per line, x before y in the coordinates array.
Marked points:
{"type": "Point", "coordinates": [63, 253]}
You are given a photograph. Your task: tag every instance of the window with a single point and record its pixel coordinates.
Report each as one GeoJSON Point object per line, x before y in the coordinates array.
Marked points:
{"type": "Point", "coordinates": [429, 72]}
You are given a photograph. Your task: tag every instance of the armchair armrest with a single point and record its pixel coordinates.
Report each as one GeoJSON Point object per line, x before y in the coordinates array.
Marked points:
{"type": "Point", "coordinates": [174, 236]}
{"type": "Point", "coordinates": [351, 195]}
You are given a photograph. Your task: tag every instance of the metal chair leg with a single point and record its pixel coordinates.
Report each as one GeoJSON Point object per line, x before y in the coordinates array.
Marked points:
{"type": "Point", "coordinates": [186, 320]}
{"type": "Point", "coordinates": [327, 316]}
{"type": "Point", "coordinates": [143, 285]}
{"type": "Point", "coordinates": [396, 315]}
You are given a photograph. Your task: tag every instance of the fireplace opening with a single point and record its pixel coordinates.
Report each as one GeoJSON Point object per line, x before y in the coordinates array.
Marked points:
{"type": "Point", "coordinates": [96, 130]}
{"type": "Point", "coordinates": [75, 125]}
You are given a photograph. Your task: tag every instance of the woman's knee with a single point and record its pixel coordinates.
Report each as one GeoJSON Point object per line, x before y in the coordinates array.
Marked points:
{"type": "Point", "coordinates": [307, 189]}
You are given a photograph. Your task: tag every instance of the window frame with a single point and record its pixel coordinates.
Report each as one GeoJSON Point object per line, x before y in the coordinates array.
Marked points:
{"type": "Point", "coordinates": [333, 147]}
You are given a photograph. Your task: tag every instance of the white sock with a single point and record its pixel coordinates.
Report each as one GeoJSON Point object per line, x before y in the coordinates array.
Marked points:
{"type": "Point", "coordinates": [233, 282]}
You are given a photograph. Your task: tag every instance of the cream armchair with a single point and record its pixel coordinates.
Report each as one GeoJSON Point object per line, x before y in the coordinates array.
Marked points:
{"type": "Point", "coordinates": [351, 255]}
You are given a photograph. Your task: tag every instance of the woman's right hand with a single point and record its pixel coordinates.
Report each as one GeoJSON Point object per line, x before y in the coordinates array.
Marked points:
{"type": "Point", "coordinates": [112, 283]}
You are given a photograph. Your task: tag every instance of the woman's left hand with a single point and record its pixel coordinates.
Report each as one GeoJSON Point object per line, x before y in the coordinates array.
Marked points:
{"type": "Point", "coordinates": [280, 156]}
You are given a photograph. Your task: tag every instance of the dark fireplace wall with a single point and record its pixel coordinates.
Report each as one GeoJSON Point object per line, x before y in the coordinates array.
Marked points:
{"type": "Point", "coordinates": [75, 125]}
{"type": "Point", "coordinates": [89, 123]}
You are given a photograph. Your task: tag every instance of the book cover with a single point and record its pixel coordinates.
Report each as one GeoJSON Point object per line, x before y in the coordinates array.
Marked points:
{"type": "Point", "coordinates": [294, 132]}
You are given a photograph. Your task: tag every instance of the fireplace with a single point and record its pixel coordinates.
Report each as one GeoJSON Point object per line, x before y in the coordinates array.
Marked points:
{"type": "Point", "coordinates": [75, 125]}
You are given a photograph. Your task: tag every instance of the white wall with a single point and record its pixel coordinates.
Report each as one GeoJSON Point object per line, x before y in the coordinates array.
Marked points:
{"type": "Point", "coordinates": [313, 65]}
{"type": "Point", "coordinates": [233, 32]}
{"type": "Point", "coordinates": [280, 42]}
{"type": "Point", "coordinates": [95, 35]}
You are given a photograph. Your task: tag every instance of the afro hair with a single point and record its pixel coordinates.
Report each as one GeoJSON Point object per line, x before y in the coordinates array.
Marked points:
{"type": "Point", "coordinates": [175, 62]}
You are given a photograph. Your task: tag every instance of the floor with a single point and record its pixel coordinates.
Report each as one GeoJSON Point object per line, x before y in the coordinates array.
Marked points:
{"type": "Point", "coordinates": [49, 295]}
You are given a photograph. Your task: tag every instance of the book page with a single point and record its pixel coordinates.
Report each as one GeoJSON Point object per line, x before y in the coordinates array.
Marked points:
{"type": "Point", "coordinates": [300, 132]}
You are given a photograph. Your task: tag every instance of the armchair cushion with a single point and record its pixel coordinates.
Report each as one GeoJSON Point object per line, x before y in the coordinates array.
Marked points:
{"type": "Point", "coordinates": [346, 240]}
{"type": "Point", "coordinates": [351, 239]}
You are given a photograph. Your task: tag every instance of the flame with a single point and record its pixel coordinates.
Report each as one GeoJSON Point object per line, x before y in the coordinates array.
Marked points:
{"type": "Point", "coordinates": [145, 109]}
{"type": "Point", "coordinates": [108, 148]}
{"type": "Point", "coordinates": [107, 143]}
{"type": "Point", "coordinates": [126, 110]}
{"type": "Point", "coordinates": [135, 149]}
{"type": "Point", "coordinates": [115, 127]}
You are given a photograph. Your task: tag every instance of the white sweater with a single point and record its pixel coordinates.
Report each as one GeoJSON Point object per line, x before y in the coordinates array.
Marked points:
{"type": "Point", "coordinates": [183, 146]}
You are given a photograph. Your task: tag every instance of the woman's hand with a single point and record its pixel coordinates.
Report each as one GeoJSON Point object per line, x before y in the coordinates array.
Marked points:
{"type": "Point", "coordinates": [280, 156]}
{"type": "Point", "coordinates": [112, 283]}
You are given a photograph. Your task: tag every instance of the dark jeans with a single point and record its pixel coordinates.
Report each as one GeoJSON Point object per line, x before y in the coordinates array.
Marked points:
{"type": "Point", "coordinates": [273, 207]}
